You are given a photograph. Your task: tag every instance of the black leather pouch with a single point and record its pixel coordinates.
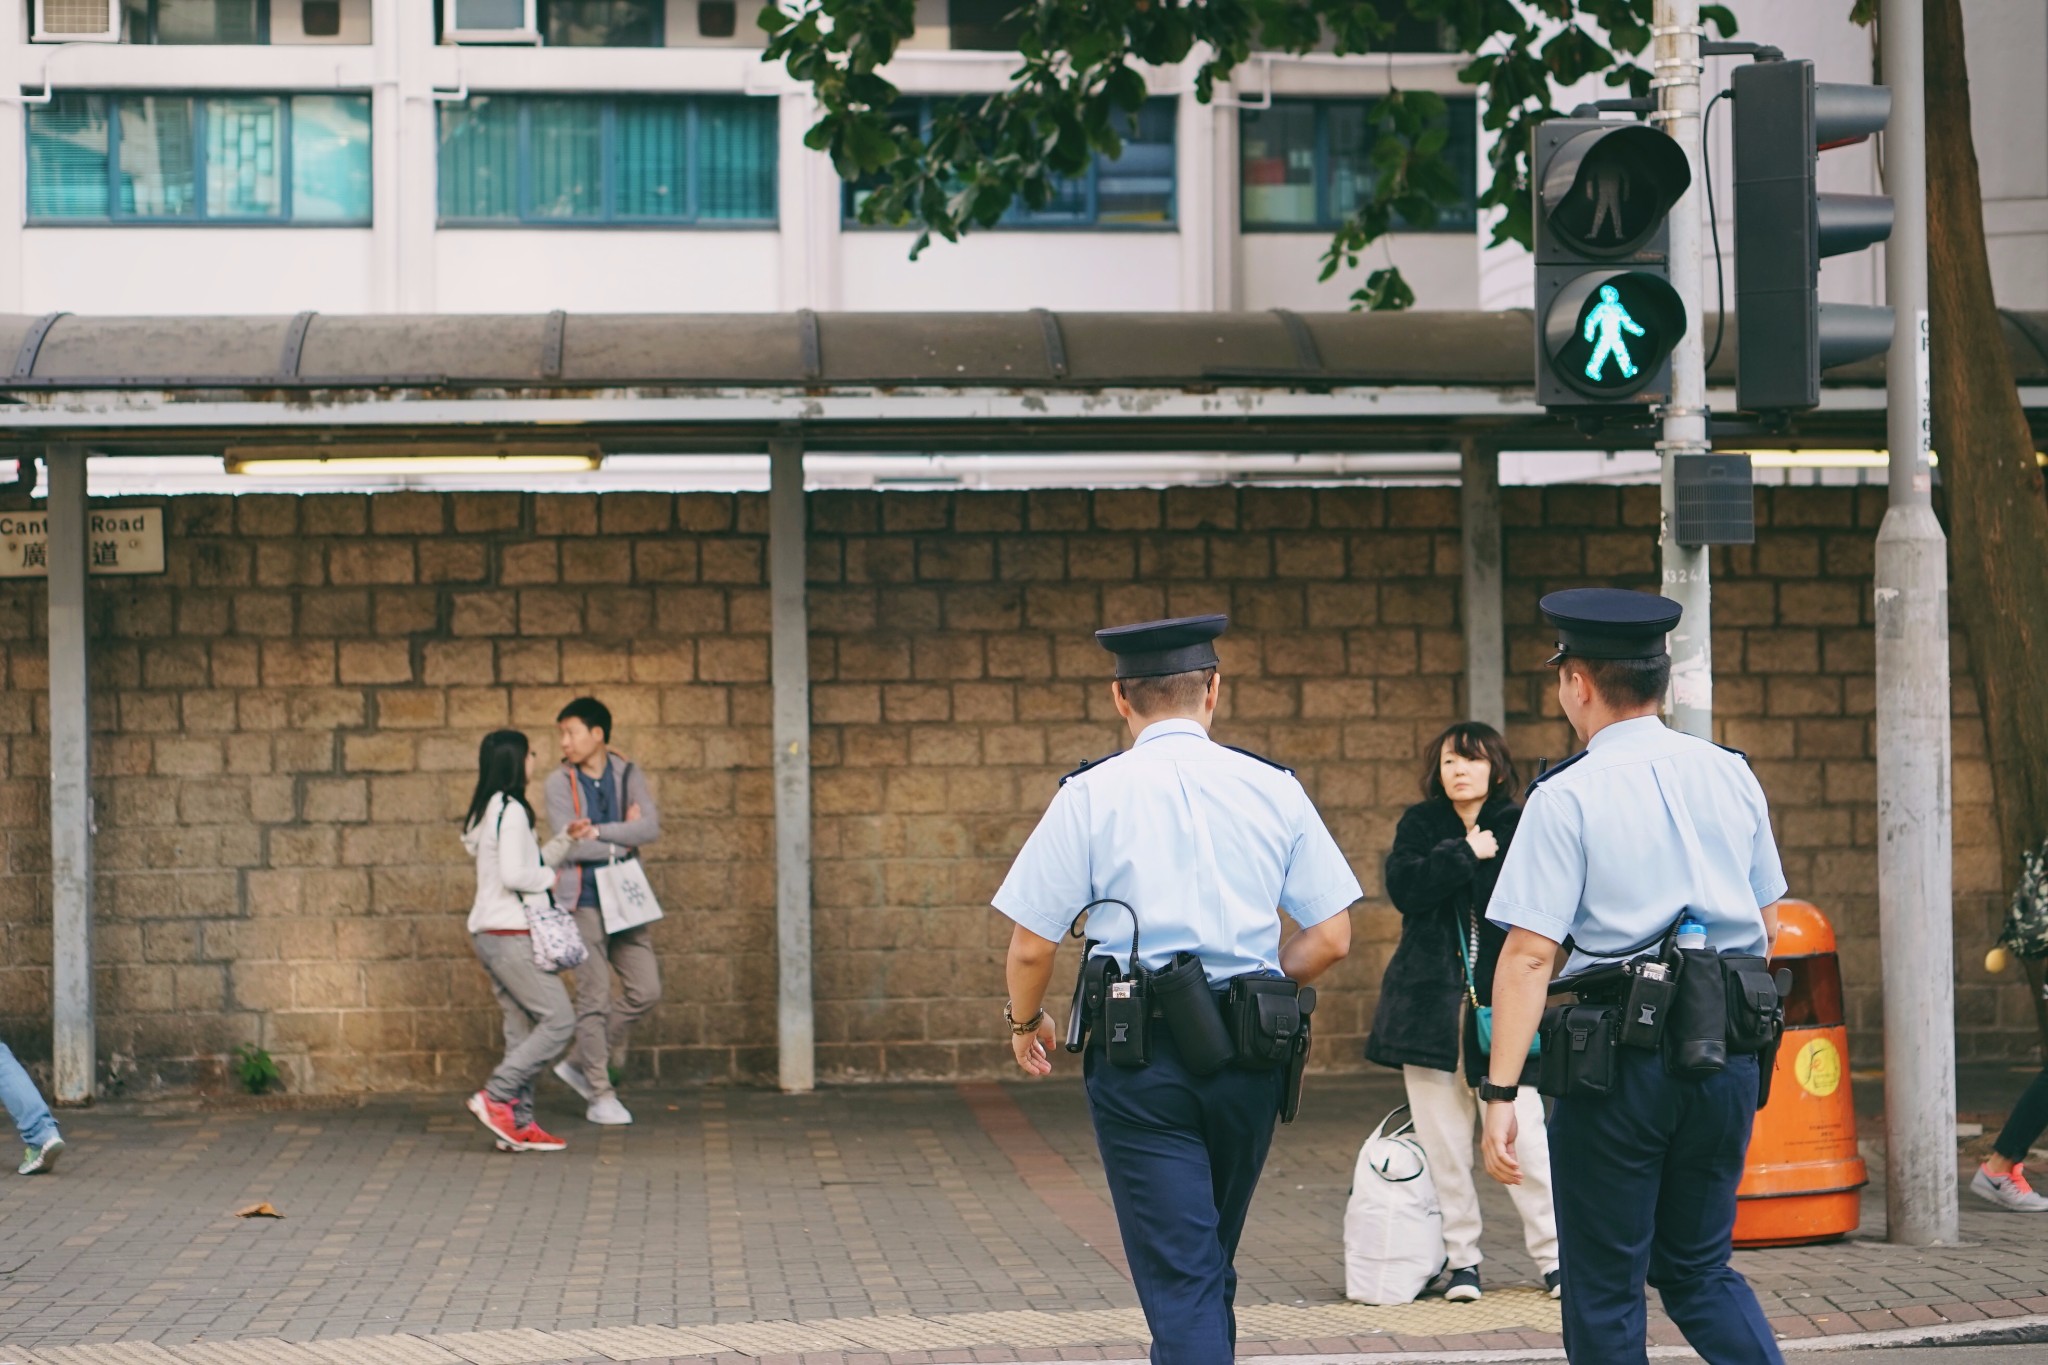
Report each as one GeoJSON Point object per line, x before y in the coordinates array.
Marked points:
{"type": "Point", "coordinates": [1753, 1009]}
{"type": "Point", "coordinates": [1579, 1042]}
{"type": "Point", "coordinates": [1267, 1014]}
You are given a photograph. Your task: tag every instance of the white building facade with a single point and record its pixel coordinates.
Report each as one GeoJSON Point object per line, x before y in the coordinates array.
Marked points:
{"type": "Point", "coordinates": [273, 156]}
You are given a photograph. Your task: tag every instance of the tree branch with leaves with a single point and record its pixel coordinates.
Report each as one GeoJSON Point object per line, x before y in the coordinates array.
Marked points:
{"type": "Point", "coordinates": [1082, 75]}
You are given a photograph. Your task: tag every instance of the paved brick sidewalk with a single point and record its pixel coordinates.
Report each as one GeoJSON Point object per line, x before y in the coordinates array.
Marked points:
{"type": "Point", "coordinates": [899, 1224]}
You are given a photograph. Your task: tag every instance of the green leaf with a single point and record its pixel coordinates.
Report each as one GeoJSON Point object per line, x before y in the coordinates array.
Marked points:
{"type": "Point", "coordinates": [773, 19]}
{"type": "Point", "coordinates": [1125, 88]}
{"type": "Point", "coordinates": [1723, 19]}
{"type": "Point", "coordinates": [1385, 292]}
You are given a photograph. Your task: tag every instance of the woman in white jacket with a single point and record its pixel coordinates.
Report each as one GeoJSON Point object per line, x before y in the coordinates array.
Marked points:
{"type": "Point", "coordinates": [510, 865]}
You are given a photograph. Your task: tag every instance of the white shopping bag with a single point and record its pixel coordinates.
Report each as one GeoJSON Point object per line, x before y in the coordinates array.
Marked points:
{"type": "Point", "coordinates": [1393, 1226]}
{"type": "Point", "coordinates": [625, 900]}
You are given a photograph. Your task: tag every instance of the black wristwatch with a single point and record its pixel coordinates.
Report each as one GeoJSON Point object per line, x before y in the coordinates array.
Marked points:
{"type": "Point", "coordinates": [1498, 1094]}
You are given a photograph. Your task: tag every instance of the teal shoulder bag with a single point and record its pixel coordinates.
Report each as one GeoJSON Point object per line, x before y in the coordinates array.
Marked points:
{"type": "Point", "coordinates": [1468, 949]}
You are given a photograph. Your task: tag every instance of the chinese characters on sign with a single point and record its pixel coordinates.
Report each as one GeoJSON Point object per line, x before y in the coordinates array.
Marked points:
{"type": "Point", "coordinates": [122, 540]}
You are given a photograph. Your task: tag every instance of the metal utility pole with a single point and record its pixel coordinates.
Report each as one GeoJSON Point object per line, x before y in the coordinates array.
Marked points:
{"type": "Point", "coordinates": [1675, 49]}
{"type": "Point", "coordinates": [1914, 906]}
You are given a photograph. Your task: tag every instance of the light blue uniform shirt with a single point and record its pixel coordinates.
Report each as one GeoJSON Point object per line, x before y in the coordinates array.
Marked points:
{"type": "Point", "coordinates": [1647, 823]}
{"type": "Point", "coordinates": [1201, 840]}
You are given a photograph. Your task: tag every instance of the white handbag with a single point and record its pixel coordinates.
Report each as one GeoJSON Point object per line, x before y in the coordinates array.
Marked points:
{"type": "Point", "coordinates": [1393, 1226]}
{"type": "Point", "coordinates": [625, 898]}
{"type": "Point", "coordinates": [556, 942]}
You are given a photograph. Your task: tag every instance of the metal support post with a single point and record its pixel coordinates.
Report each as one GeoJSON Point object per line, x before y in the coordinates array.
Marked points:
{"type": "Point", "coordinates": [1675, 43]}
{"type": "Point", "coordinates": [1914, 871]}
{"type": "Point", "coordinates": [1479, 562]}
{"type": "Point", "coordinates": [71, 815]}
{"type": "Point", "coordinates": [790, 672]}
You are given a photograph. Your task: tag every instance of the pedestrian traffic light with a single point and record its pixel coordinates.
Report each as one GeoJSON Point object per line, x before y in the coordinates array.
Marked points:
{"type": "Point", "coordinates": [1607, 316]}
{"type": "Point", "coordinates": [1785, 336]}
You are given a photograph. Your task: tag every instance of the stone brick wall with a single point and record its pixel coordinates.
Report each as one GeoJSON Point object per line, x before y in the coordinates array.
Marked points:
{"type": "Point", "coordinates": [286, 729]}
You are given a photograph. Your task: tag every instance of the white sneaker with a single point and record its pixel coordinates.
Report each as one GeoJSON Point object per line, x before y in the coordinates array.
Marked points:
{"type": "Point", "coordinates": [2010, 1191]}
{"type": "Point", "coordinates": [568, 1075]}
{"type": "Point", "coordinates": [608, 1111]}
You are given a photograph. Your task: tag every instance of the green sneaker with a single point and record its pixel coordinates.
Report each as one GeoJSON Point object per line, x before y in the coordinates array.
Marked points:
{"type": "Point", "coordinates": [43, 1158]}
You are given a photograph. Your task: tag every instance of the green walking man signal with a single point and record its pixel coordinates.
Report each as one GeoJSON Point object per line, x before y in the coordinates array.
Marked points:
{"type": "Point", "coordinates": [1610, 319]}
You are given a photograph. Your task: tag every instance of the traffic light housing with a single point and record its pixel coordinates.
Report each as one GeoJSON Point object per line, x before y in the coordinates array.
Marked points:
{"type": "Point", "coordinates": [1783, 226]}
{"type": "Point", "coordinates": [1607, 317]}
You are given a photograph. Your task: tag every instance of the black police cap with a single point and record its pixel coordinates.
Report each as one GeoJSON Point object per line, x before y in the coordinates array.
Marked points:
{"type": "Point", "coordinates": [1153, 649]}
{"type": "Point", "coordinates": [1609, 623]}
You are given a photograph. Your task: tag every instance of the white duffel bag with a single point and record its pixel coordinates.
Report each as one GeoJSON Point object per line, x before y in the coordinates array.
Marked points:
{"type": "Point", "coordinates": [1393, 1227]}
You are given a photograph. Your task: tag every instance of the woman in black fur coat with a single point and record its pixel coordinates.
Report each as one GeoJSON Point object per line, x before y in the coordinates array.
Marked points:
{"type": "Point", "coordinates": [1447, 854]}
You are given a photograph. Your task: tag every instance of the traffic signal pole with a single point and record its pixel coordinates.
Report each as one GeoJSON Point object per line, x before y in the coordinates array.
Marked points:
{"type": "Point", "coordinates": [1914, 906]}
{"type": "Point", "coordinates": [1675, 52]}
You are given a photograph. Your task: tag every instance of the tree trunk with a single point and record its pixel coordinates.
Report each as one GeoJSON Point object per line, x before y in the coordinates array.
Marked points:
{"type": "Point", "coordinates": [1998, 521]}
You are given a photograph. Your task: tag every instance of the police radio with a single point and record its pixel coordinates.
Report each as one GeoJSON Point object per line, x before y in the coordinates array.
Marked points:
{"type": "Point", "coordinates": [1120, 1001]}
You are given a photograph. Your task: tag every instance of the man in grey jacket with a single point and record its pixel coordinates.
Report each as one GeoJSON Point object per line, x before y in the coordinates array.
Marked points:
{"type": "Point", "coordinates": [603, 801]}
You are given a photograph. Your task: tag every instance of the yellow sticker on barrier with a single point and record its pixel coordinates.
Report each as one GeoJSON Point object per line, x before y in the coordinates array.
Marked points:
{"type": "Point", "coordinates": [1818, 1068]}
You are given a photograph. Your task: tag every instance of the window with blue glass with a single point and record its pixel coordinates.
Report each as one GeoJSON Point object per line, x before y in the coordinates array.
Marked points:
{"type": "Point", "coordinates": [582, 161]}
{"type": "Point", "coordinates": [232, 159]}
{"type": "Point", "coordinates": [1307, 164]}
{"type": "Point", "coordinates": [1134, 189]}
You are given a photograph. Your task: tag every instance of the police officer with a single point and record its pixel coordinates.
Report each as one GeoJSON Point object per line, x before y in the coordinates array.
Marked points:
{"type": "Point", "coordinates": [1642, 827]}
{"type": "Point", "coordinates": [1201, 843]}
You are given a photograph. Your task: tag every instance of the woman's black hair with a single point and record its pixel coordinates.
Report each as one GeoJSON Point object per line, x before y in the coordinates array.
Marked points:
{"type": "Point", "coordinates": [500, 770]}
{"type": "Point", "coordinates": [1471, 739]}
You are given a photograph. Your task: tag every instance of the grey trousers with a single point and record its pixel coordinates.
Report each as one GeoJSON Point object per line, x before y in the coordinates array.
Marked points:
{"type": "Point", "coordinates": [538, 1019]}
{"type": "Point", "coordinates": [604, 1014]}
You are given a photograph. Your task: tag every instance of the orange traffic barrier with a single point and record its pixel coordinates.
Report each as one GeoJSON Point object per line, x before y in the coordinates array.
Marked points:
{"type": "Point", "coordinates": [1804, 1177]}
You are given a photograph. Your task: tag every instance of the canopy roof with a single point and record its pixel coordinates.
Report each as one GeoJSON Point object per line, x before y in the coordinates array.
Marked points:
{"type": "Point", "coordinates": [854, 380]}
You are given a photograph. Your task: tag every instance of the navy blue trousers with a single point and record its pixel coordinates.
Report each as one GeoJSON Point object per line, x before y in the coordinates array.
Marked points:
{"type": "Point", "coordinates": [1183, 1154]}
{"type": "Point", "coordinates": [1644, 1180]}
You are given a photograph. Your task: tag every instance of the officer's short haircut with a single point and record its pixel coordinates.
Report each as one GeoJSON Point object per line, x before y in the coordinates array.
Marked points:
{"type": "Point", "coordinates": [591, 712]}
{"type": "Point", "coordinates": [1627, 682]}
{"type": "Point", "coordinates": [1174, 692]}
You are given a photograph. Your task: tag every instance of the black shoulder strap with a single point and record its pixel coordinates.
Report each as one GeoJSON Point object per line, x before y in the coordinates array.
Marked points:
{"type": "Point", "coordinates": [1737, 752]}
{"type": "Point", "coordinates": [1262, 758]}
{"type": "Point", "coordinates": [1086, 766]}
{"type": "Point", "coordinates": [1554, 769]}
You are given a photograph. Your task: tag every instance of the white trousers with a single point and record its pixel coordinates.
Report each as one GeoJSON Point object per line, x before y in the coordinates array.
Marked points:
{"type": "Point", "coordinates": [1446, 1113]}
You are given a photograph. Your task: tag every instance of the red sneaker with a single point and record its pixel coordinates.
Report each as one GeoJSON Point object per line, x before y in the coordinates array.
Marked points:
{"type": "Point", "coordinates": [534, 1138]}
{"type": "Point", "coordinates": [494, 1115]}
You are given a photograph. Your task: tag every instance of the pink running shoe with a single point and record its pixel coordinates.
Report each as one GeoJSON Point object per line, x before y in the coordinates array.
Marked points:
{"type": "Point", "coordinates": [495, 1115]}
{"type": "Point", "coordinates": [534, 1138]}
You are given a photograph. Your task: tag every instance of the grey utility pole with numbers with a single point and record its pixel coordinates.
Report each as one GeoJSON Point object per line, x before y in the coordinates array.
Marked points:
{"type": "Point", "coordinates": [1914, 872]}
{"type": "Point", "coordinates": [1675, 51]}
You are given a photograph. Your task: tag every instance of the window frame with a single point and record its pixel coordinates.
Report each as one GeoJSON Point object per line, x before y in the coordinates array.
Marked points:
{"type": "Point", "coordinates": [116, 218]}
{"type": "Point", "coordinates": [1325, 218]}
{"type": "Point", "coordinates": [692, 220]}
{"type": "Point", "coordinates": [849, 212]}
{"type": "Point", "coordinates": [149, 17]}
{"type": "Point", "coordinates": [543, 16]}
